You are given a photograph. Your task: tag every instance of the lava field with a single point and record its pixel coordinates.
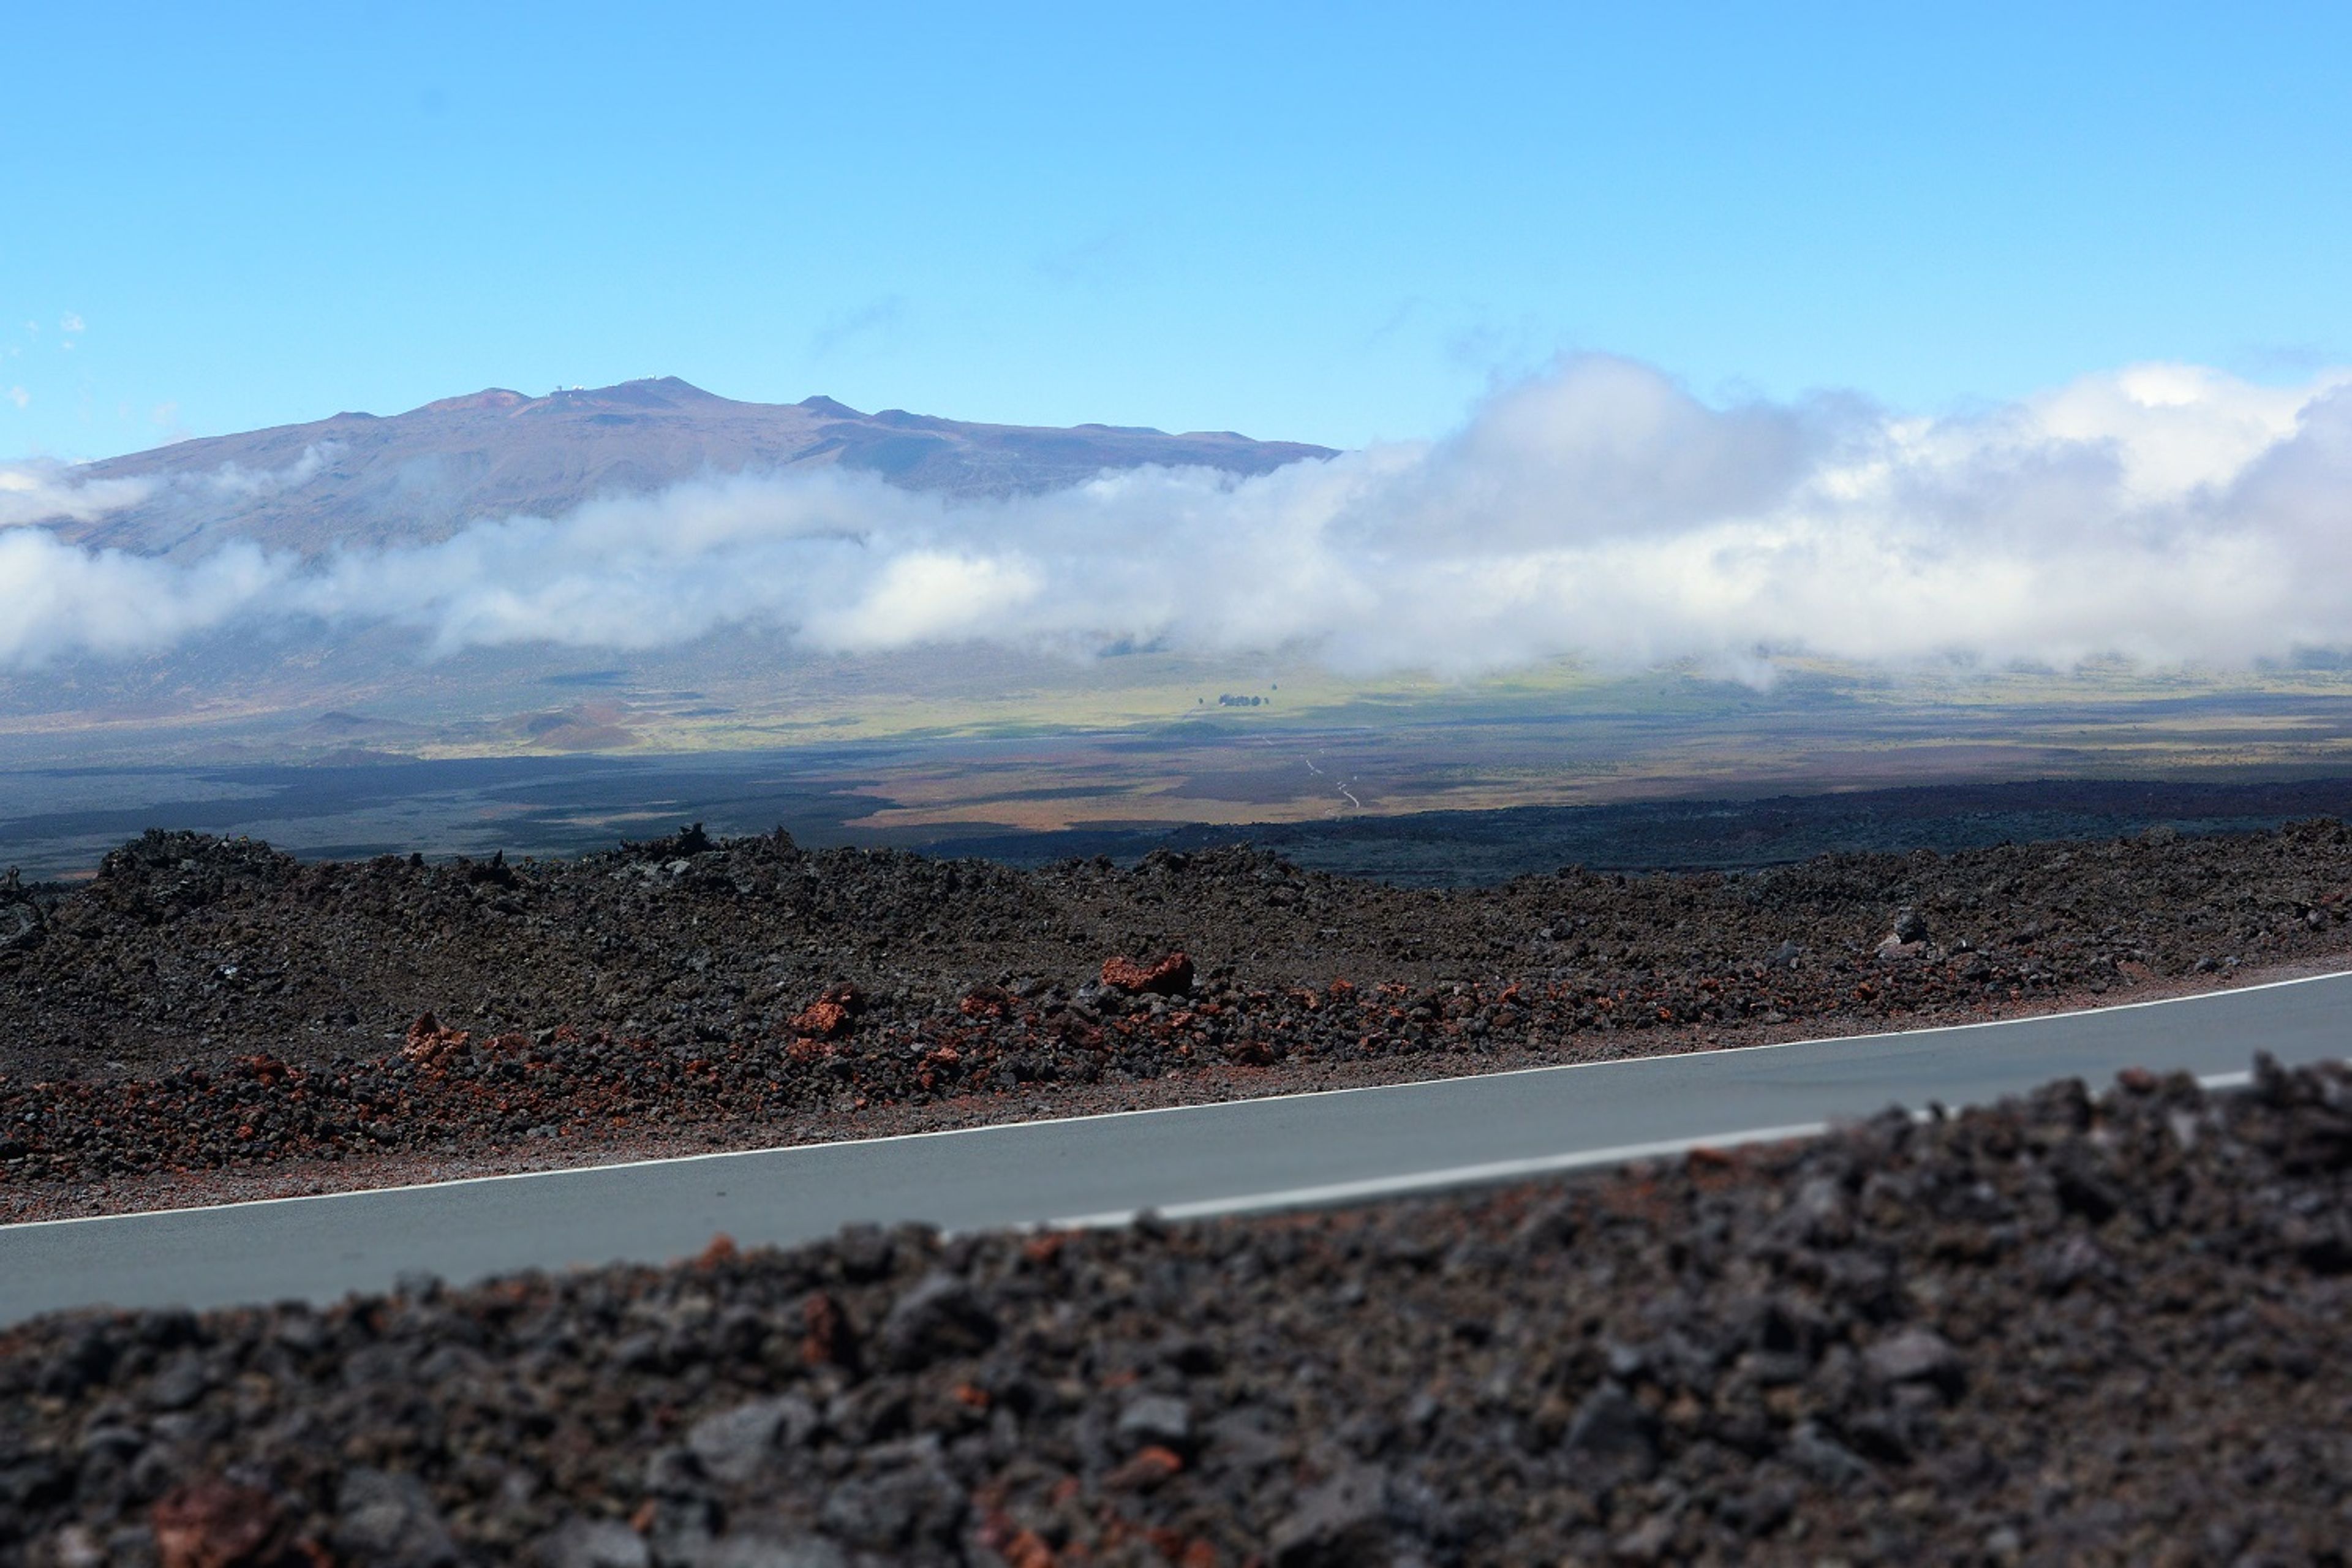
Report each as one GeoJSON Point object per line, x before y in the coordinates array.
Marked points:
{"type": "Point", "coordinates": [206, 1005]}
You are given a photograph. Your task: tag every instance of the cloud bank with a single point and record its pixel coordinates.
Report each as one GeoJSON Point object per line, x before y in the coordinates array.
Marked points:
{"type": "Point", "coordinates": [2164, 513]}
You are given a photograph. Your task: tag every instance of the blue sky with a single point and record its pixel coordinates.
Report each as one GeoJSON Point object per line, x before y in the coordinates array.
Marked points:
{"type": "Point", "coordinates": [1335, 223]}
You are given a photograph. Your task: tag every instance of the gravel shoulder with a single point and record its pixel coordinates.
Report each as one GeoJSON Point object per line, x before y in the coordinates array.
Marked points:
{"type": "Point", "coordinates": [210, 1020]}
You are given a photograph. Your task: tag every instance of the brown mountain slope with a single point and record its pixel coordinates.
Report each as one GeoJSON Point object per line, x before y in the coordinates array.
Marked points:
{"type": "Point", "coordinates": [359, 479]}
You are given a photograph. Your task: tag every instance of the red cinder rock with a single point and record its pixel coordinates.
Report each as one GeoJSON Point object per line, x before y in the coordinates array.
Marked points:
{"type": "Point", "coordinates": [430, 1046]}
{"type": "Point", "coordinates": [264, 1070]}
{"type": "Point", "coordinates": [820, 1020]}
{"type": "Point", "coordinates": [214, 1524]}
{"type": "Point", "coordinates": [831, 1014]}
{"type": "Point", "coordinates": [986, 1002]}
{"type": "Point", "coordinates": [828, 1340]}
{"type": "Point", "coordinates": [1172, 976]}
{"type": "Point", "coordinates": [1150, 1466]}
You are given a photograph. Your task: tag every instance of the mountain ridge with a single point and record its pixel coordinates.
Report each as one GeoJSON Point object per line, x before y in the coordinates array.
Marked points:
{"type": "Point", "coordinates": [369, 481]}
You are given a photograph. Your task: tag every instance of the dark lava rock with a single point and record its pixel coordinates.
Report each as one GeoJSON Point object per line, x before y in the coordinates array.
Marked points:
{"type": "Point", "coordinates": [1901, 1342]}
{"type": "Point", "coordinates": [1340, 1522]}
{"type": "Point", "coordinates": [602, 1543]}
{"type": "Point", "coordinates": [1612, 1437]}
{"type": "Point", "coordinates": [942, 1316]}
{"type": "Point", "coordinates": [390, 1520]}
{"type": "Point", "coordinates": [732, 1445]}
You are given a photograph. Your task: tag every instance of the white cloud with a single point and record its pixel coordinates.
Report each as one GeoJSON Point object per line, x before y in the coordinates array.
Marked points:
{"type": "Point", "coordinates": [64, 600]}
{"type": "Point", "coordinates": [34, 492]}
{"type": "Point", "coordinates": [928, 596]}
{"type": "Point", "coordinates": [19, 397]}
{"type": "Point", "coordinates": [232, 482]}
{"type": "Point", "coordinates": [70, 323]}
{"type": "Point", "coordinates": [2173, 427]}
{"type": "Point", "coordinates": [2168, 513]}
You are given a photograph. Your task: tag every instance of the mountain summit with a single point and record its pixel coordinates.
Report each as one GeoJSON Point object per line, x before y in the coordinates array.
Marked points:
{"type": "Point", "coordinates": [360, 480]}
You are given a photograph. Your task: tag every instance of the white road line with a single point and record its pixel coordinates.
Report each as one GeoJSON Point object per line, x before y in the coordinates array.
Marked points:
{"type": "Point", "coordinates": [1432, 1181]}
{"type": "Point", "coordinates": [1496, 1170]}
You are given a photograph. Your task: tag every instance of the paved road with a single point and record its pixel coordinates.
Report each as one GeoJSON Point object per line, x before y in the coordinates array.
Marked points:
{"type": "Point", "coordinates": [1254, 1155]}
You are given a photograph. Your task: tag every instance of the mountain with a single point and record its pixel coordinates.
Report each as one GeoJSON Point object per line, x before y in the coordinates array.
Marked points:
{"type": "Point", "coordinates": [360, 480]}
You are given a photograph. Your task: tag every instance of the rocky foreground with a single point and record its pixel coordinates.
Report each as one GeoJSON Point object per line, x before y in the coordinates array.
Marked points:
{"type": "Point", "coordinates": [2063, 1330]}
{"type": "Point", "coordinates": [210, 1006]}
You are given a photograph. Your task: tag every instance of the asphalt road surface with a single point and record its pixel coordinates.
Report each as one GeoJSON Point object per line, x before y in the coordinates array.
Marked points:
{"type": "Point", "coordinates": [1294, 1150]}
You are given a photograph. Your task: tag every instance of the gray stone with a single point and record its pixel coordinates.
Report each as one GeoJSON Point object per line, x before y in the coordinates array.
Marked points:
{"type": "Point", "coordinates": [2060, 1267]}
{"type": "Point", "coordinates": [1614, 1435]}
{"type": "Point", "coordinates": [1822, 1209]}
{"type": "Point", "coordinates": [1913, 1355]}
{"type": "Point", "coordinates": [1646, 1542]}
{"type": "Point", "coordinates": [383, 1518]}
{"type": "Point", "coordinates": [1241, 1438]}
{"type": "Point", "coordinates": [733, 1444]}
{"type": "Point", "coordinates": [939, 1317]}
{"type": "Point", "coordinates": [1156, 1418]}
{"type": "Point", "coordinates": [673, 1471]}
{"type": "Point", "coordinates": [75, 1547]}
{"type": "Point", "coordinates": [1341, 1522]}
{"type": "Point", "coordinates": [1825, 1459]}
{"type": "Point", "coordinates": [907, 1505]}
{"type": "Point", "coordinates": [182, 1380]}
{"type": "Point", "coordinates": [749, 1549]}
{"type": "Point", "coordinates": [600, 1543]}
